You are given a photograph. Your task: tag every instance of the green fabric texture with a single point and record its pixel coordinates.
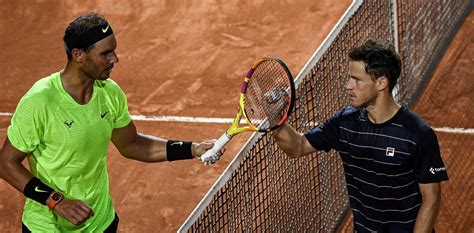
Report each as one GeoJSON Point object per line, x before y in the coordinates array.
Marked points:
{"type": "Point", "coordinates": [67, 143]}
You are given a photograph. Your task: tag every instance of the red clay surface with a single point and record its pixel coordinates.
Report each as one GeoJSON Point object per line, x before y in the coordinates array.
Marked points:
{"type": "Point", "coordinates": [183, 58]}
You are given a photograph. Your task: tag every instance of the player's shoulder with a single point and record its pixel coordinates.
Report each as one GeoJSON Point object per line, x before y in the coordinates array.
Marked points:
{"type": "Point", "coordinates": [108, 85]}
{"type": "Point", "coordinates": [345, 114]}
{"type": "Point", "coordinates": [349, 112]}
{"type": "Point", "coordinates": [42, 92]}
{"type": "Point", "coordinates": [412, 121]}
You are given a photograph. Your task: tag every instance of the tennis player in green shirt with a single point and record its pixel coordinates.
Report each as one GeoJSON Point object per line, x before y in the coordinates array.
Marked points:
{"type": "Point", "coordinates": [63, 125]}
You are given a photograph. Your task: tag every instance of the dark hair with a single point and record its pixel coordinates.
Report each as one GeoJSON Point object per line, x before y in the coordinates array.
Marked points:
{"type": "Point", "coordinates": [77, 32]}
{"type": "Point", "coordinates": [380, 60]}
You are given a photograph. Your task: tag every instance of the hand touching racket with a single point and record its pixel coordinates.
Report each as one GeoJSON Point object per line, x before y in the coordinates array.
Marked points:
{"type": "Point", "coordinates": [266, 100]}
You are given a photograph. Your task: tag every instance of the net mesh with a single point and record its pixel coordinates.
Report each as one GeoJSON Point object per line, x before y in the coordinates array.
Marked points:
{"type": "Point", "coordinates": [424, 29]}
{"type": "Point", "coordinates": [263, 190]}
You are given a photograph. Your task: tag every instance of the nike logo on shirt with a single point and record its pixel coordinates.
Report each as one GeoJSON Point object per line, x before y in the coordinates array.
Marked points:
{"type": "Point", "coordinates": [103, 114]}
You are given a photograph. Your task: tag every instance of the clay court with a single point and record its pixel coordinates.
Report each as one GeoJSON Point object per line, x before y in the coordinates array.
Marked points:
{"type": "Point", "coordinates": [187, 59]}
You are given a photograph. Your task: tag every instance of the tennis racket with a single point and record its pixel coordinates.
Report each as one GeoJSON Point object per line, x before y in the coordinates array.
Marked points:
{"type": "Point", "coordinates": [266, 100]}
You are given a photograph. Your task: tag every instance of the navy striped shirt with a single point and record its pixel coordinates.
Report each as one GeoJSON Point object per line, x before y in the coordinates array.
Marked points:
{"type": "Point", "coordinates": [383, 165]}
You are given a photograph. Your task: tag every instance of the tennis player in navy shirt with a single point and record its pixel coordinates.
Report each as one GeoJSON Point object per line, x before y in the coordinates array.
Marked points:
{"type": "Point", "coordinates": [391, 157]}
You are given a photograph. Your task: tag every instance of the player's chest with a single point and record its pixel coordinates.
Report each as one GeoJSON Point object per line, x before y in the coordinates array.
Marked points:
{"type": "Point", "coordinates": [91, 124]}
{"type": "Point", "coordinates": [381, 144]}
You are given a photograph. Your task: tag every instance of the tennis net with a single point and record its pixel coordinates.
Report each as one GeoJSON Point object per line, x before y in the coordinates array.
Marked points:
{"type": "Point", "coordinates": [263, 190]}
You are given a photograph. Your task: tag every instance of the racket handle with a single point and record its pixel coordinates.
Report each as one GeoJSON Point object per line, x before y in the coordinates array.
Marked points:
{"type": "Point", "coordinates": [211, 156]}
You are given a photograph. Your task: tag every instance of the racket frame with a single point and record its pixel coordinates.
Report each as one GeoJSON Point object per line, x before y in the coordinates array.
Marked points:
{"type": "Point", "coordinates": [243, 92]}
{"type": "Point", "coordinates": [210, 156]}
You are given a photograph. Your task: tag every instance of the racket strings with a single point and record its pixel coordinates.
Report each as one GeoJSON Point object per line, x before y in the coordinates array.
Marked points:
{"type": "Point", "coordinates": [268, 95]}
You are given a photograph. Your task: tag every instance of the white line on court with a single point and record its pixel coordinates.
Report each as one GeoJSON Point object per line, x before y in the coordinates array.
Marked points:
{"type": "Point", "coordinates": [171, 119]}
{"type": "Point", "coordinates": [213, 120]}
{"type": "Point", "coordinates": [183, 119]}
{"type": "Point", "coordinates": [454, 130]}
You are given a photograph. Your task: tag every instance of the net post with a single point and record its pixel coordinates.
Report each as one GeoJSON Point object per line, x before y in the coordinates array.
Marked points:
{"type": "Point", "coordinates": [395, 24]}
{"type": "Point", "coordinates": [394, 5]}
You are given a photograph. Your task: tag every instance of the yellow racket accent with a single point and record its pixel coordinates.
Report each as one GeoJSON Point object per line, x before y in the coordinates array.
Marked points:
{"type": "Point", "coordinates": [234, 128]}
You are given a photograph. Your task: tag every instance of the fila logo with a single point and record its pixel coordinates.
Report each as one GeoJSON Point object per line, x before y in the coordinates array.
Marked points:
{"type": "Point", "coordinates": [68, 123]}
{"type": "Point", "coordinates": [390, 151]}
{"type": "Point", "coordinates": [437, 169]}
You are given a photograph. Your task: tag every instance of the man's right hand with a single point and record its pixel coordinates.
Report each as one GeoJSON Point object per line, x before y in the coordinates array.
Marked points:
{"type": "Point", "coordinates": [74, 211]}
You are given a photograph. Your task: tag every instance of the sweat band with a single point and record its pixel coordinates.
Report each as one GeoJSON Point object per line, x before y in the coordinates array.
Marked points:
{"type": "Point", "coordinates": [37, 190]}
{"type": "Point", "coordinates": [88, 38]}
{"type": "Point", "coordinates": [178, 150]}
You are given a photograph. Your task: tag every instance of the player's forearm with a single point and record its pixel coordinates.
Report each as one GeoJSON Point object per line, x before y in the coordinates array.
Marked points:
{"type": "Point", "coordinates": [146, 148]}
{"type": "Point", "coordinates": [289, 140]}
{"type": "Point", "coordinates": [427, 214]}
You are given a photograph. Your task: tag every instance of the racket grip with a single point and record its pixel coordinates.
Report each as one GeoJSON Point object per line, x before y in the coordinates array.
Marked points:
{"type": "Point", "coordinates": [211, 156]}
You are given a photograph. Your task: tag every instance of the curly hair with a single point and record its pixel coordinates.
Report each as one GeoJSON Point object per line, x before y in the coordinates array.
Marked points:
{"type": "Point", "coordinates": [380, 60]}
